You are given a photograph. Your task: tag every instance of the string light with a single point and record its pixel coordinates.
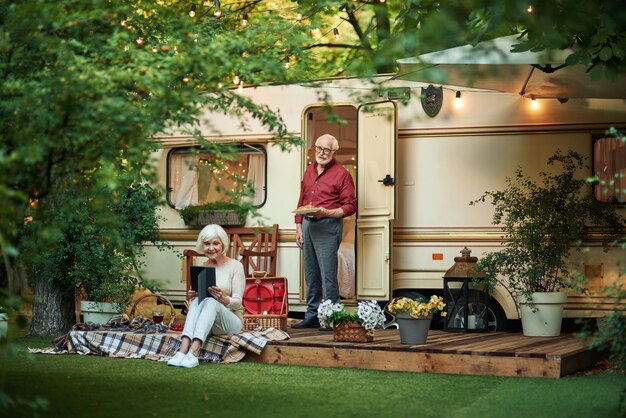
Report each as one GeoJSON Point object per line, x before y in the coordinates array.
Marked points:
{"type": "Point", "coordinates": [139, 41]}
{"type": "Point", "coordinates": [336, 33]}
{"type": "Point", "coordinates": [154, 49]}
{"type": "Point", "coordinates": [534, 104]}
{"type": "Point", "coordinates": [123, 22]}
{"type": "Point", "coordinates": [218, 9]}
{"type": "Point", "coordinates": [530, 8]}
{"type": "Point", "coordinates": [287, 65]}
{"type": "Point", "coordinates": [192, 11]}
{"type": "Point", "coordinates": [244, 19]}
{"type": "Point", "coordinates": [458, 102]}
{"type": "Point", "coordinates": [299, 16]}
{"type": "Point", "coordinates": [236, 79]}
{"type": "Point", "coordinates": [240, 88]}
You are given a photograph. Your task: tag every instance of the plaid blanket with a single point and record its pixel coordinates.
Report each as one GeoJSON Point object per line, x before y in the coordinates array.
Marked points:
{"type": "Point", "coordinates": [161, 346]}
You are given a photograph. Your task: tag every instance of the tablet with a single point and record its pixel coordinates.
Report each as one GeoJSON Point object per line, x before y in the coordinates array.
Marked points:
{"type": "Point", "coordinates": [201, 279]}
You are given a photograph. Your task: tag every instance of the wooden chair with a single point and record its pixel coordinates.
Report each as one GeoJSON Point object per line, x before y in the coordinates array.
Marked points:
{"type": "Point", "coordinates": [255, 247]}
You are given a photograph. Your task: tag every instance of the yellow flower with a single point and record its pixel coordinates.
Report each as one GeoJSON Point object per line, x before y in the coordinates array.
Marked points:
{"type": "Point", "coordinates": [417, 308]}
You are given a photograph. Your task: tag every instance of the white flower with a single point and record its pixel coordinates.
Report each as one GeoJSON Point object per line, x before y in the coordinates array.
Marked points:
{"type": "Point", "coordinates": [325, 310]}
{"type": "Point", "coordinates": [371, 314]}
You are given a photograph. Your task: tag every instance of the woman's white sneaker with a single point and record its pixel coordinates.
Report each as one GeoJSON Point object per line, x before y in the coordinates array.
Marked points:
{"type": "Point", "coordinates": [189, 361]}
{"type": "Point", "coordinates": [176, 360]}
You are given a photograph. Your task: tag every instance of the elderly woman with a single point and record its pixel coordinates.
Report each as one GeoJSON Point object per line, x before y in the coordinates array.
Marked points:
{"type": "Point", "coordinates": [220, 314]}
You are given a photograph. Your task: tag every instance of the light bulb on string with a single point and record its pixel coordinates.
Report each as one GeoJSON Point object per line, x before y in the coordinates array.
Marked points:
{"type": "Point", "coordinates": [236, 79]}
{"type": "Point", "coordinates": [218, 9]}
{"type": "Point", "coordinates": [534, 104]}
{"type": "Point", "coordinates": [240, 88]}
{"type": "Point", "coordinates": [336, 33]}
{"type": "Point", "coordinates": [530, 8]}
{"type": "Point", "coordinates": [244, 19]}
{"type": "Point", "coordinates": [458, 102]}
{"type": "Point", "coordinates": [139, 41]}
{"type": "Point", "coordinates": [299, 16]}
{"type": "Point", "coordinates": [192, 11]}
{"type": "Point", "coordinates": [287, 64]}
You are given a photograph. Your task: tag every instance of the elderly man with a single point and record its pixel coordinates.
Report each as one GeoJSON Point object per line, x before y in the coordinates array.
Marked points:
{"type": "Point", "coordinates": [329, 187]}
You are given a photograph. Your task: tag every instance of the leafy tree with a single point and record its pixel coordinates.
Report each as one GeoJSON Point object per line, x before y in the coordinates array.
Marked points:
{"type": "Point", "coordinates": [375, 33]}
{"type": "Point", "coordinates": [84, 84]}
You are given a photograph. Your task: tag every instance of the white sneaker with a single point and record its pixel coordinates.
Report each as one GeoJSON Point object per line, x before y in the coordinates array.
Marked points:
{"type": "Point", "coordinates": [189, 361]}
{"type": "Point", "coordinates": [176, 360]}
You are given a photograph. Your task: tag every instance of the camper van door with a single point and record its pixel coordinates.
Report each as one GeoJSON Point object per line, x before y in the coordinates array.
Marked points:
{"type": "Point", "coordinates": [376, 140]}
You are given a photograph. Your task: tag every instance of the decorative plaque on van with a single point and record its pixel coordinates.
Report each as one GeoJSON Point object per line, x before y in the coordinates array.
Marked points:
{"type": "Point", "coordinates": [432, 98]}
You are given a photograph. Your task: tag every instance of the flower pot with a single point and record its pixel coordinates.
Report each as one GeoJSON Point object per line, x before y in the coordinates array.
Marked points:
{"type": "Point", "coordinates": [413, 330]}
{"type": "Point", "coordinates": [351, 332]}
{"type": "Point", "coordinates": [4, 326]}
{"type": "Point", "coordinates": [219, 217]}
{"type": "Point", "coordinates": [99, 312]}
{"type": "Point", "coordinates": [542, 316]}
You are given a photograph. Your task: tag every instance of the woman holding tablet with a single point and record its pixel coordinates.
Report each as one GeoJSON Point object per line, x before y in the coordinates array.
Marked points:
{"type": "Point", "coordinates": [221, 313]}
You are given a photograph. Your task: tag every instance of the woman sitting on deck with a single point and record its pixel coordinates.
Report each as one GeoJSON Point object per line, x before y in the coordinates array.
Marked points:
{"type": "Point", "coordinates": [220, 314]}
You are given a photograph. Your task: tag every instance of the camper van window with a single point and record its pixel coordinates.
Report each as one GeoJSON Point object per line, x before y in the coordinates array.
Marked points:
{"type": "Point", "coordinates": [196, 177]}
{"type": "Point", "coordinates": [609, 167]}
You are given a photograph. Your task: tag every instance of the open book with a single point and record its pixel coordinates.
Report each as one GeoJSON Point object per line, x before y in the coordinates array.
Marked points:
{"type": "Point", "coordinates": [201, 279]}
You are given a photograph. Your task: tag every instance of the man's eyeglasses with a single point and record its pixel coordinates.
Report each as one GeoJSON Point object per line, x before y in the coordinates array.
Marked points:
{"type": "Point", "coordinates": [323, 150]}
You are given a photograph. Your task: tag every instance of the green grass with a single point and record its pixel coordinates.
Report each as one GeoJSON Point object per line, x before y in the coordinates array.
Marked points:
{"type": "Point", "coordinates": [94, 386]}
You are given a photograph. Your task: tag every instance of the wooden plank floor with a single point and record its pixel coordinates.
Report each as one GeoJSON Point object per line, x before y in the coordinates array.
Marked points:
{"type": "Point", "coordinates": [495, 353]}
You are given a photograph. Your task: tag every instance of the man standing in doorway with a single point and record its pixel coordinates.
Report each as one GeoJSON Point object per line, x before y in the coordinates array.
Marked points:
{"type": "Point", "coordinates": [329, 187]}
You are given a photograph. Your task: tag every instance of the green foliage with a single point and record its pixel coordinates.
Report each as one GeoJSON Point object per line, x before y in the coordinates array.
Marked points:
{"type": "Point", "coordinates": [98, 255]}
{"type": "Point", "coordinates": [190, 213]}
{"type": "Point", "coordinates": [541, 223]}
{"type": "Point", "coordinates": [83, 85]}
{"type": "Point", "coordinates": [611, 332]}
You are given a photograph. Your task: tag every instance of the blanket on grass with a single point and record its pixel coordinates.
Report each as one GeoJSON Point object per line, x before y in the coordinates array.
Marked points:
{"type": "Point", "coordinates": [161, 346]}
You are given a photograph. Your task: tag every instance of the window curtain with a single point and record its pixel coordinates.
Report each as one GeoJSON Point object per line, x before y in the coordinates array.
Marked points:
{"type": "Point", "coordinates": [256, 176]}
{"type": "Point", "coordinates": [610, 169]}
{"type": "Point", "coordinates": [185, 184]}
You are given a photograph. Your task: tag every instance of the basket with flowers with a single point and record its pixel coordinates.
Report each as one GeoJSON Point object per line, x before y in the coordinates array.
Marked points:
{"type": "Point", "coordinates": [355, 326]}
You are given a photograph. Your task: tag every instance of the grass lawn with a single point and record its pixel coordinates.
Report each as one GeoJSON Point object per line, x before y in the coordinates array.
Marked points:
{"type": "Point", "coordinates": [94, 386]}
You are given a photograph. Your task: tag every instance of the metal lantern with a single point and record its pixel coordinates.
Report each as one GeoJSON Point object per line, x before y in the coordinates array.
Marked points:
{"type": "Point", "coordinates": [466, 308]}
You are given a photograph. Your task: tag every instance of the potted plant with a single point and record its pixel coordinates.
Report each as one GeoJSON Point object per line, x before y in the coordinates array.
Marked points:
{"type": "Point", "coordinates": [221, 213]}
{"type": "Point", "coordinates": [413, 317]}
{"type": "Point", "coordinates": [355, 326]}
{"type": "Point", "coordinates": [542, 221]}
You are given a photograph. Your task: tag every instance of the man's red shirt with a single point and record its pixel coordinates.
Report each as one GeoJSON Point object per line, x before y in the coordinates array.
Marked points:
{"type": "Point", "coordinates": [332, 189]}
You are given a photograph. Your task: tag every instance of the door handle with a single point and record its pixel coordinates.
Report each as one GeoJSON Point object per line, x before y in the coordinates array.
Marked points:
{"type": "Point", "coordinates": [387, 181]}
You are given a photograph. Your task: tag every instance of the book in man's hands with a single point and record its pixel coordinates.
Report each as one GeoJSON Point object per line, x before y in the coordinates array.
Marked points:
{"type": "Point", "coordinates": [201, 279]}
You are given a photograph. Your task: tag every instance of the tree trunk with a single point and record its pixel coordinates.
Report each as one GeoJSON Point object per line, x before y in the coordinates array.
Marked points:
{"type": "Point", "coordinates": [54, 310]}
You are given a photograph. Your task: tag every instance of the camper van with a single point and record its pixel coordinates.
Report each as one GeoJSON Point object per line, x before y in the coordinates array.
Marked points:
{"type": "Point", "coordinates": [418, 154]}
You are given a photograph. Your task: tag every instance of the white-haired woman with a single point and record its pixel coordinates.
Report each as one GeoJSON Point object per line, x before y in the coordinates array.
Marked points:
{"type": "Point", "coordinates": [220, 314]}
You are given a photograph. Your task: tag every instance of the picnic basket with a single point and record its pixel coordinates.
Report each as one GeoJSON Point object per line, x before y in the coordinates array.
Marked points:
{"type": "Point", "coordinates": [160, 300]}
{"type": "Point", "coordinates": [265, 301]}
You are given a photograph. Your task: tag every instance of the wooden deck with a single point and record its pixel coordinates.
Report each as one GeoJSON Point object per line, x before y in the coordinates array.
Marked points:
{"type": "Point", "coordinates": [495, 353]}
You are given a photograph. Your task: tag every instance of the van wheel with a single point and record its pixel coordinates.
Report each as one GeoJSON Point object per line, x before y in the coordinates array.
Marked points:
{"type": "Point", "coordinates": [496, 320]}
